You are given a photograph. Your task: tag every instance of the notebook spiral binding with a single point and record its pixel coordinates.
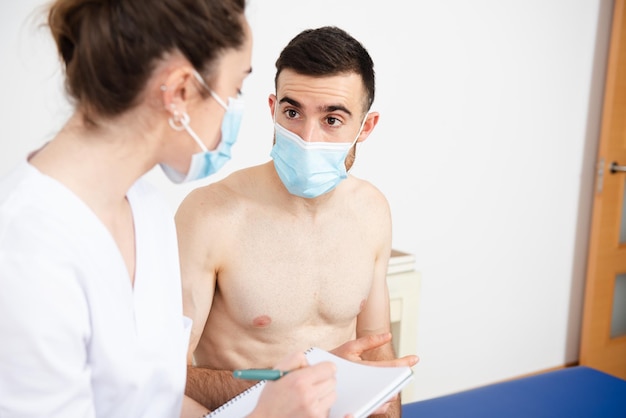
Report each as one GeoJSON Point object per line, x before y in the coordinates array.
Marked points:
{"type": "Point", "coordinates": [243, 394]}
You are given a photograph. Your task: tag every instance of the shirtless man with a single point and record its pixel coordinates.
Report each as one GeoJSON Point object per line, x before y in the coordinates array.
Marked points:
{"type": "Point", "coordinates": [299, 250]}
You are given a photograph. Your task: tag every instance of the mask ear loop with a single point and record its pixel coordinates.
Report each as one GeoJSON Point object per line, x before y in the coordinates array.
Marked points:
{"type": "Point", "coordinates": [217, 98]}
{"type": "Point", "coordinates": [360, 130]}
{"type": "Point", "coordinates": [178, 122]}
{"type": "Point", "coordinates": [355, 141]}
{"type": "Point", "coordinates": [274, 117]}
{"type": "Point", "coordinates": [182, 123]}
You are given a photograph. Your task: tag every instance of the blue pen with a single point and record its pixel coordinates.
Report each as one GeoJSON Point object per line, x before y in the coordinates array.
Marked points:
{"type": "Point", "coordinates": [259, 374]}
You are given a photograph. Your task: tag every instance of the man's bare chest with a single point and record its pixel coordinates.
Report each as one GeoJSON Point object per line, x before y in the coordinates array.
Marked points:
{"type": "Point", "coordinates": [282, 283]}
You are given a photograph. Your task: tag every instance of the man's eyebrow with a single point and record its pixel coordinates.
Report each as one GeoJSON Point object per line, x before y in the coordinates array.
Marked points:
{"type": "Point", "coordinates": [326, 109]}
{"type": "Point", "coordinates": [291, 101]}
{"type": "Point", "coordinates": [334, 108]}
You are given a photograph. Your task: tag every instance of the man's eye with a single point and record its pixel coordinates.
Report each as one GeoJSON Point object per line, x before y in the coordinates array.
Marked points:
{"type": "Point", "coordinates": [292, 113]}
{"type": "Point", "coordinates": [332, 121]}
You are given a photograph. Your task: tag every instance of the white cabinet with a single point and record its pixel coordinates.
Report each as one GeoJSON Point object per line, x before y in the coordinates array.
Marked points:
{"type": "Point", "coordinates": [404, 286]}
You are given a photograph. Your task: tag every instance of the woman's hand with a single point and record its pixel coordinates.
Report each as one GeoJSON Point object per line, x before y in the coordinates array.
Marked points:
{"type": "Point", "coordinates": [305, 392]}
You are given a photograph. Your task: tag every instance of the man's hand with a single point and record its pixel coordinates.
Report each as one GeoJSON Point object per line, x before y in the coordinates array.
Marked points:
{"type": "Point", "coordinates": [353, 350]}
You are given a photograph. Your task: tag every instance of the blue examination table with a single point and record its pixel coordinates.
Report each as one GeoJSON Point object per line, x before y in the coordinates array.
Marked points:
{"type": "Point", "coordinates": [573, 392]}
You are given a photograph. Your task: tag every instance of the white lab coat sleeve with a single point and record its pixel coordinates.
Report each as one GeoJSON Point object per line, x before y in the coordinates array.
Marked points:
{"type": "Point", "coordinates": [44, 334]}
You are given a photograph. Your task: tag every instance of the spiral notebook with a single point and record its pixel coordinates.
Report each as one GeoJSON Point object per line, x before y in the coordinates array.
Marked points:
{"type": "Point", "coordinates": [361, 388]}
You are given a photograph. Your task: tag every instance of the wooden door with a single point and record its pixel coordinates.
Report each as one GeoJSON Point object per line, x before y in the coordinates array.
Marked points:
{"type": "Point", "coordinates": [603, 336]}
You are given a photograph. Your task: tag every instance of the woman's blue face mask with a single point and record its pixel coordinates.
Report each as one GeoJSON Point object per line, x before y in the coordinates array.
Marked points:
{"type": "Point", "coordinates": [205, 162]}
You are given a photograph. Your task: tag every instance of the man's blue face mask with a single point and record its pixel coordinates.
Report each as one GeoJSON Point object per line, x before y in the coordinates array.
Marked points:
{"type": "Point", "coordinates": [309, 169]}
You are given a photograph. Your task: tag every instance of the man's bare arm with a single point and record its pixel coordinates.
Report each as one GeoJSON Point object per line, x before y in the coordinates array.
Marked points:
{"type": "Point", "coordinates": [375, 318]}
{"type": "Point", "coordinates": [208, 387]}
{"type": "Point", "coordinates": [213, 388]}
{"type": "Point", "coordinates": [383, 353]}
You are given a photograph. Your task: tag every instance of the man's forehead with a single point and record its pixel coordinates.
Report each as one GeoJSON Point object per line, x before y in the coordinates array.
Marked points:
{"type": "Point", "coordinates": [322, 93]}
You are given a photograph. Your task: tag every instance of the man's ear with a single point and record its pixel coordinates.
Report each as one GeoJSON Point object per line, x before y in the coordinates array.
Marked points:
{"type": "Point", "coordinates": [371, 121]}
{"type": "Point", "coordinates": [272, 101]}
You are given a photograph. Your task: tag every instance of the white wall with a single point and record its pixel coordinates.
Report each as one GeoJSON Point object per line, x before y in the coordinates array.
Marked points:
{"type": "Point", "coordinates": [485, 149]}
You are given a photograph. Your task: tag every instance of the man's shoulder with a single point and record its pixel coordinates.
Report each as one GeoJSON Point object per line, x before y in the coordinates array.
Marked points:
{"type": "Point", "coordinates": [224, 197]}
{"type": "Point", "coordinates": [361, 189]}
{"type": "Point", "coordinates": [206, 201]}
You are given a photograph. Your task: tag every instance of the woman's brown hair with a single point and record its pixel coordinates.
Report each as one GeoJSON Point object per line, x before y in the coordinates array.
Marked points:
{"type": "Point", "coordinates": [109, 48]}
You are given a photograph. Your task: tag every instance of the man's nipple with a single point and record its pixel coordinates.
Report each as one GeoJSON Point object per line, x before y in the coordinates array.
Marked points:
{"type": "Point", "coordinates": [262, 321]}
